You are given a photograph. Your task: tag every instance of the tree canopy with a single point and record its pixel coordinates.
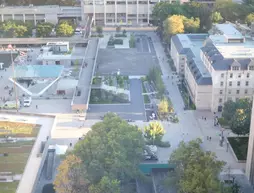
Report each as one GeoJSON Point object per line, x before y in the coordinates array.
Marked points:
{"type": "Point", "coordinates": [196, 170]}
{"type": "Point", "coordinates": [216, 17]}
{"type": "Point", "coordinates": [64, 29]}
{"type": "Point", "coordinates": [237, 115]}
{"type": "Point", "coordinates": [44, 29]}
{"type": "Point", "coordinates": [249, 19]}
{"type": "Point", "coordinates": [70, 176]}
{"type": "Point", "coordinates": [16, 28]}
{"type": "Point", "coordinates": [112, 148]}
{"type": "Point", "coordinates": [154, 132]}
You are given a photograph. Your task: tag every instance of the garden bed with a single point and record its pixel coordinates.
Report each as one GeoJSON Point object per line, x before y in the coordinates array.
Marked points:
{"type": "Point", "coordinates": [16, 129]}
{"type": "Point", "coordinates": [146, 97]}
{"type": "Point", "coordinates": [240, 147]}
{"type": "Point", "coordinates": [100, 96]}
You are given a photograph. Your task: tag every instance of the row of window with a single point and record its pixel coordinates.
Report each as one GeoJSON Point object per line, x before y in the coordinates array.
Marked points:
{"type": "Point", "coordinates": [237, 91]}
{"type": "Point", "coordinates": [229, 98]}
{"type": "Point", "coordinates": [239, 75]}
{"type": "Point", "coordinates": [238, 83]}
{"type": "Point", "coordinates": [238, 68]}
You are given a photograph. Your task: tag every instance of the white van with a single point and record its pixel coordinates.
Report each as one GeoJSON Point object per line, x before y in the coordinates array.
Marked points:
{"type": "Point", "coordinates": [27, 101]}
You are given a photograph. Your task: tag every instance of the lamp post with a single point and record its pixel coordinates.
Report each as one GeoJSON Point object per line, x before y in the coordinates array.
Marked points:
{"type": "Point", "coordinates": [13, 71]}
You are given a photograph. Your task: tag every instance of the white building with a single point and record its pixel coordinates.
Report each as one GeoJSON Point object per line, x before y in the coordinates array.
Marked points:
{"type": "Point", "coordinates": [216, 67]}
{"type": "Point", "coordinates": [57, 53]}
{"type": "Point", "coordinates": [50, 13]}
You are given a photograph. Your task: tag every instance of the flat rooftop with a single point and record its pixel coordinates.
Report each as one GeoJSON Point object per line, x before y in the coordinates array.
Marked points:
{"type": "Point", "coordinates": [194, 43]}
{"type": "Point", "coordinates": [38, 71]}
{"type": "Point", "coordinates": [229, 31]}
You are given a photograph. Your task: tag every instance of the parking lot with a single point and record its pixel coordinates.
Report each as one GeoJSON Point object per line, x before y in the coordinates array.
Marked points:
{"type": "Point", "coordinates": [133, 61]}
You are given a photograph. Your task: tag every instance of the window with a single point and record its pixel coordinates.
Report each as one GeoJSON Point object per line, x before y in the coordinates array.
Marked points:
{"type": "Point", "coordinates": [221, 91]}
{"type": "Point", "coordinates": [247, 83]}
{"type": "Point", "coordinates": [229, 91]}
{"type": "Point", "coordinates": [221, 83]}
{"type": "Point", "coordinates": [251, 67]}
{"type": "Point", "coordinates": [222, 75]}
{"type": "Point", "coordinates": [248, 75]}
{"type": "Point", "coordinates": [235, 67]}
{"type": "Point", "coordinates": [220, 100]}
{"type": "Point", "coordinates": [237, 91]}
{"type": "Point", "coordinates": [238, 83]}
{"type": "Point", "coordinates": [230, 83]}
{"type": "Point", "coordinates": [239, 75]}
{"type": "Point", "coordinates": [231, 75]}
{"type": "Point", "coordinates": [246, 91]}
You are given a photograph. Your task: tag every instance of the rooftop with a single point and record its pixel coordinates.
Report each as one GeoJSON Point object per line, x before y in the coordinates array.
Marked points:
{"type": "Point", "coordinates": [38, 71]}
{"type": "Point", "coordinates": [190, 44]}
{"type": "Point", "coordinates": [229, 31]}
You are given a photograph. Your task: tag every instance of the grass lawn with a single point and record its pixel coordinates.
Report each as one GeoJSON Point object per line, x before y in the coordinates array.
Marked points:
{"type": "Point", "coordinates": [240, 146]}
{"type": "Point", "coordinates": [15, 129]}
{"type": "Point", "coordinates": [8, 187]}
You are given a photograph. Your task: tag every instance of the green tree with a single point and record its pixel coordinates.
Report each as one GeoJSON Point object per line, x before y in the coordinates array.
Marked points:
{"type": "Point", "coordinates": [44, 29]}
{"type": "Point", "coordinates": [14, 28]}
{"type": "Point", "coordinates": [70, 176]}
{"type": "Point", "coordinates": [191, 25]}
{"type": "Point", "coordinates": [196, 170]}
{"type": "Point", "coordinates": [64, 29]}
{"type": "Point", "coordinates": [154, 132]}
{"type": "Point", "coordinates": [105, 185]}
{"type": "Point", "coordinates": [155, 77]}
{"type": "Point", "coordinates": [237, 115]}
{"type": "Point", "coordinates": [249, 19]}
{"type": "Point", "coordinates": [99, 29]}
{"type": "Point", "coordinates": [216, 17]}
{"type": "Point", "coordinates": [112, 148]}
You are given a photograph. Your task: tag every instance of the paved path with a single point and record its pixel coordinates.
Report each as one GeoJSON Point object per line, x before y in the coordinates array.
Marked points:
{"type": "Point", "coordinates": [191, 124]}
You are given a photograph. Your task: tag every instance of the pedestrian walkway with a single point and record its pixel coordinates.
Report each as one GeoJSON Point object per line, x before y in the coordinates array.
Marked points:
{"type": "Point", "coordinates": [191, 124]}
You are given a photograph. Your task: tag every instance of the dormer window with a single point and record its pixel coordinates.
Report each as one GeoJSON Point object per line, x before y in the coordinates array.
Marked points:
{"type": "Point", "coordinates": [251, 67]}
{"type": "Point", "coordinates": [235, 68]}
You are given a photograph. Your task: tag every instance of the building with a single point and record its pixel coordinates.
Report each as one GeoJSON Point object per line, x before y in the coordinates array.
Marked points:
{"type": "Point", "coordinates": [58, 53]}
{"type": "Point", "coordinates": [51, 13]}
{"type": "Point", "coordinates": [121, 12]}
{"type": "Point", "coordinates": [215, 67]}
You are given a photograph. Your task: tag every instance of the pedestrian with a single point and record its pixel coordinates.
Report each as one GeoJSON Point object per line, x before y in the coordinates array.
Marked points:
{"type": "Point", "coordinates": [36, 106]}
{"type": "Point", "coordinates": [205, 118]}
{"type": "Point", "coordinates": [210, 138]}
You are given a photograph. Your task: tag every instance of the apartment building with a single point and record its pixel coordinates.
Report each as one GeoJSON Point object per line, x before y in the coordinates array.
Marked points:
{"type": "Point", "coordinates": [215, 67]}
{"type": "Point", "coordinates": [49, 13]}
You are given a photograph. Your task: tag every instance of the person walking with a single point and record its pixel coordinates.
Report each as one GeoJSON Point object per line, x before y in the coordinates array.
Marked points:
{"type": "Point", "coordinates": [36, 106]}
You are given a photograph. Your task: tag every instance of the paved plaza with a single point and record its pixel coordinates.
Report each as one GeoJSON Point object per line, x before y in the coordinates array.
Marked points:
{"type": "Point", "coordinates": [132, 62]}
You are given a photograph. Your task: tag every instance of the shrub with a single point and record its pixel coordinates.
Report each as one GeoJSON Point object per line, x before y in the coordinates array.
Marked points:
{"type": "Point", "coordinates": [120, 35]}
{"type": "Point", "coordinates": [118, 41]}
{"type": "Point", "coordinates": [222, 121]}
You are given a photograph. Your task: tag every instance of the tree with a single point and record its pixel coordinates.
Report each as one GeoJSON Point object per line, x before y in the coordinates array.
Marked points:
{"type": "Point", "coordinates": [112, 148]}
{"type": "Point", "coordinates": [44, 29]}
{"type": "Point", "coordinates": [64, 29]}
{"type": "Point", "coordinates": [14, 28]}
{"type": "Point", "coordinates": [249, 19]}
{"type": "Point", "coordinates": [216, 17]}
{"type": "Point", "coordinates": [99, 29]}
{"type": "Point", "coordinates": [70, 176]}
{"type": "Point", "coordinates": [154, 132]}
{"type": "Point", "coordinates": [155, 77]}
{"type": "Point", "coordinates": [196, 170]}
{"type": "Point", "coordinates": [173, 25]}
{"type": "Point", "coordinates": [106, 185]}
{"type": "Point", "coordinates": [237, 115]}
{"type": "Point", "coordinates": [163, 107]}
{"type": "Point", "coordinates": [191, 25]}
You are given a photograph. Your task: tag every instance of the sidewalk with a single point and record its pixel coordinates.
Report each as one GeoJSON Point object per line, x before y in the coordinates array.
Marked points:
{"type": "Point", "coordinates": [191, 124]}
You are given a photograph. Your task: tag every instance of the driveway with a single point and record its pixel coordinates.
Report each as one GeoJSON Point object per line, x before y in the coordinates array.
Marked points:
{"type": "Point", "coordinates": [135, 110]}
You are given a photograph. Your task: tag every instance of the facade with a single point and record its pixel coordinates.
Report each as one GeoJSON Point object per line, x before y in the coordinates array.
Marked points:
{"type": "Point", "coordinates": [215, 67]}
{"type": "Point", "coordinates": [51, 13]}
{"type": "Point", "coordinates": [121, 12]}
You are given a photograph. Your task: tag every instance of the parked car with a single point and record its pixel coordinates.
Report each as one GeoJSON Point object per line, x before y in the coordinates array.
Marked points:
{"type": "Point", "coordinates": [27, 101]}
{"type": "Point", "coordinates": [11, 105]}
{"type": "Point", "coordinates": [150, 153]}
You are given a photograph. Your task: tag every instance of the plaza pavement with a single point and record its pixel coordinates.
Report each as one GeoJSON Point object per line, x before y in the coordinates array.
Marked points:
{"type": "Point", "coordinates": [191, 124]}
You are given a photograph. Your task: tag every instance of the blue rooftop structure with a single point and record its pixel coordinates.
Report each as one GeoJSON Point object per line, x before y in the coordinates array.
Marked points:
{"type": "Point", "coordinates": [38, 71]}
